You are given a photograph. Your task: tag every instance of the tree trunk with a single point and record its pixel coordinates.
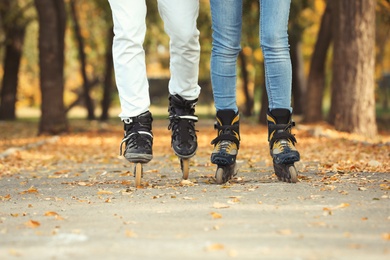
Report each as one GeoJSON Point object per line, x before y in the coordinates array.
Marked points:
{"type": "Point", "coordinates": [52, 18]}
{"type": "Point", "coordinates": [316, 81]}
{"type": "Point", "coordinates": [13, 53]}
{"type": "Point", "coordinates": [264, 106]}
{"type": "Point", "coordinates": [108, 77]}
{"type": "Point", "coordinates": [248, 106]}
{"type": "Point", "coordinates": [298, 77]}
{"type": "Point", "coordinates": [80, 42]}
{"type": "Point", "coordinates": [353, 86]}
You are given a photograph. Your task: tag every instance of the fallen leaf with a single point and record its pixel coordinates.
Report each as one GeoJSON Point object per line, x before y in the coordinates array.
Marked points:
{"type": "Point", "coordinates": [53, 214]}
{"type": "Point", "coordinates": [32, 189]}
{"type": "Point", "coordinates": [130, 233]}
{"type": "Point", "coordinates": [104, 192]}
{"type": "Point", "coordinates": [218, 205]}
{"type": "Point", "coordinates": [215, 215]}
{"type": "Point", "coordinates": [186, 183]}
{"type": "Point", "coordinates": [6, 197]}
{"type": "Point", "coordinates": [284, 232]}
{"type": "Point", "coordinates": [32, 224]}
{"type": "Point", "coordinates": [386, 236]}
{"type": "Point", "coordinates": [215, 247]}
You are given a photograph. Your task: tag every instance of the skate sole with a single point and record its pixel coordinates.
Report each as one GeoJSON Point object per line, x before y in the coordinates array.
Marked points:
{"type": "Point", "coordinates": [222, 160]}
{"type": "Point", "coordinates": [138, 158]}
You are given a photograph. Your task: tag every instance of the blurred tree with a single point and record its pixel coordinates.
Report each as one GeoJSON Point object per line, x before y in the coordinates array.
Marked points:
{"type": "Point", "coordinates": [297, 25]}
{"type": "Point", "coordinates": [52, 20]}
{"type": "Point", "coordinates": [316, 80]}
{"type": "Point", "coordinates": [353, 86]}
{"type": "Point", "coordinates": [14, 23]}
{"type": "Point", "coordinates": [87, 83]}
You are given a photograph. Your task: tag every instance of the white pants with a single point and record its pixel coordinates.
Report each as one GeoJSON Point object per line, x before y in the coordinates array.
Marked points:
{"type": "Point", "coordinates": [179, 18]}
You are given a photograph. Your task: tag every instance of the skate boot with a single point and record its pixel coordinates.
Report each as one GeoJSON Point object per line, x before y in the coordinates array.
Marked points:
{"type": "Point", "coordinates": [282, 144]}
{"type": "Point", "coordinates": [182, 123]}
{"type": "Point", "coordinates": [138, 140]}
{"type": "Point", "coordinates": [226, 145]}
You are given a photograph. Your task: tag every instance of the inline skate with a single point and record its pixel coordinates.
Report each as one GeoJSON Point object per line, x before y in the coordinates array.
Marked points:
{"type": "Point", "coordinates": [282, 144]}
{"type": "Point", "coordinates": [138, 140]}
{"type": "Point", "coordinates": [226, 145]}
{"type": "Point", "coordinates": [182, 123]}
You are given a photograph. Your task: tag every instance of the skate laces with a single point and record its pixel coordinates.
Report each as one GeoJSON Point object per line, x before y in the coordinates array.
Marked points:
{"type": "Point", "coordinates": [136, 134]}
{"type": "Point", "coordinates": [183, 126]}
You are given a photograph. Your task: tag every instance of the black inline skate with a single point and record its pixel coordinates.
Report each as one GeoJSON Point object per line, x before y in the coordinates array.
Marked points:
{"type": "Point", "coordinates": [182, 123]}
{"type": "Point", "coordinates": [226, 145]}
{"type": "Point", "coordinates": [138, 139]}
{"type": "Point", "coordinates": [282, 144]}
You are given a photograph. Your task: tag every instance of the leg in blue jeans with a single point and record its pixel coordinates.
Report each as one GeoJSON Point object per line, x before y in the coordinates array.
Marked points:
{"type": "Point", "coordinates": [274, 44]}
{"type": "Point", "coordinates": [226, 25]}
{"type": "Point", "coordinates": [227, 22]}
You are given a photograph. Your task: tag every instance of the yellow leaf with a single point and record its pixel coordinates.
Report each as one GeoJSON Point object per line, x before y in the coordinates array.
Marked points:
{"type": "Point", "coordinates": [32, 189]}
{"type": "Point", "coordinates": [215, 247]}
{"type": "Point", "coordinates": [218, 205]}
{"type": "Point", "coordinates": [104, 192]}
{"type": "Point", "coordinates": [50, 213]}
{"type": "Point", "coordinates": [215, 215]}
{"type": "Point", "coordinates": [32, 224]}
{"type": "Point", "coordinates": [285, 232]}
{"type": "Point", "coordinates": [130, 233]}
{"type": "Point", "coordinates": [386, 236]}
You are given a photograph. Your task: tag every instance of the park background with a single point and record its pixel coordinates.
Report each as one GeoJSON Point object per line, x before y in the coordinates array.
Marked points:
{"type": "Point", "coordinates": [335, 45]}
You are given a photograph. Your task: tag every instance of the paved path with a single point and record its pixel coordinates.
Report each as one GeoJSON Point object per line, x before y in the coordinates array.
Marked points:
{"type": "Point", "coordinates": [92, 211]}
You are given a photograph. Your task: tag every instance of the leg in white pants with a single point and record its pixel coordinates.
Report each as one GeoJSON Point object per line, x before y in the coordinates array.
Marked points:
{"type": "Point", "coordinates": [179, 18]}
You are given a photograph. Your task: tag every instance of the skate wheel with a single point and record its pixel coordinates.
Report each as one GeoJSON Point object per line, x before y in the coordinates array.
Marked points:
{"type": "Point", "coordinates": [138, 174]}
{"type": "Point", "coordinates": [293, 174]}
{"type": "Point", "coordinates": [219, 175]}
{"type": "Point", "coordinates": [185, 168]}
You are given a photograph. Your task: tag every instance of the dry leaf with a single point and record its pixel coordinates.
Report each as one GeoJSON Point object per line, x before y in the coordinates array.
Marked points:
{"type": "Point", "coordinates": [53, 214]}
{"type": "Point", "coordinates": [32, 189]}
{"type": "Point", "coordinates": [218, 205]}
{"type": "Point", "coordinates": [285, 232]}
{"type": "Point", "coordinates": [130, 233]}
{"type": "Point", "coordinates": [215, 215]}
{"type": "Point", "coordinates": [386, 236]}
{"type": "Point", "coordinates": [104, 192]}
{"type": "Point", "coordinates": [215, 247]}
{"type": "Point", "coordinates": [5, 198]}
{"type": "Point", "coordinates": [186, 183]}
{"type": "Point", "coordinates": [32, 224]}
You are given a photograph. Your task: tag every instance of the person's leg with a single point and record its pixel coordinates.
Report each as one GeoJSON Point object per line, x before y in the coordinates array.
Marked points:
{"type": "Point", "coordinates": [129, 56]}
{"type": "Point", "coordinates": [278, 74]}
{"type": "Point", "coordinates": [226, 25]}
{"type": "Point", "coordinates": [274, 17]}
{"type": "Point", "coordinates": [180, 23]}
{"type": "Point", "coordinates": [180, 17]}
{"type": "Point", "coordinates": [131, 80]}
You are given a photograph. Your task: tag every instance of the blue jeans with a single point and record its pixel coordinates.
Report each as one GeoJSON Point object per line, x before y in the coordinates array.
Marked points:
{"type": "Point", "coordinates": [226, 25]}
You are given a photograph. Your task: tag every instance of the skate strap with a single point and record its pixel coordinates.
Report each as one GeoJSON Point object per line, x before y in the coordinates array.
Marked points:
{"type": "Point", "coordinates": [188, 117]}
{"type": "Point", "coordinates": [226, 132]}
{"type": "Point", "coordinates": [279, 135]}
{"type": "Point", "coordinates": [141, 120]}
